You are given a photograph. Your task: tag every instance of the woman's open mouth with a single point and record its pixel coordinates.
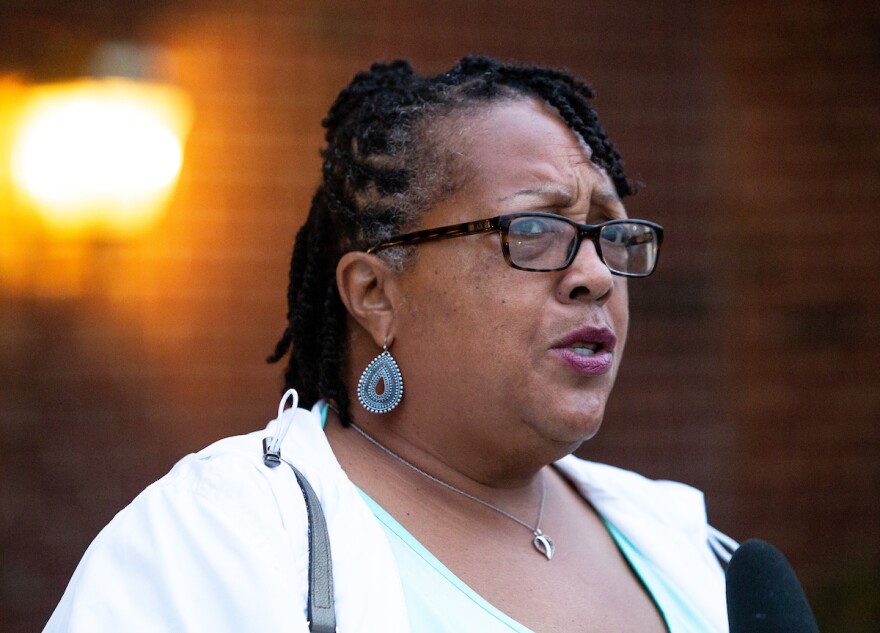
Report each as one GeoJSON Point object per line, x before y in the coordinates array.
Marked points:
{"type": "Point", "coordinates": [589, 351]}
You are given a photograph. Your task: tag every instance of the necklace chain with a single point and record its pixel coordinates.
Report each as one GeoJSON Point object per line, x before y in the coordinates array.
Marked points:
{"type": "Point", "coordinates": [541, 541]}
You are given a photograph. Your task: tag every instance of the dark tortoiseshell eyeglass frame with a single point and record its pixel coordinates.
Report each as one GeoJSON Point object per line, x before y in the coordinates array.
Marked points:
{"type": "Point", "coordinates": [651, 232]}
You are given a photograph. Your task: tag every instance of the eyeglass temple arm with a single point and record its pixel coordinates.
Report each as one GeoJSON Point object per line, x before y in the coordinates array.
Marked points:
{"type": "Point", "coordinates": [440, 233]}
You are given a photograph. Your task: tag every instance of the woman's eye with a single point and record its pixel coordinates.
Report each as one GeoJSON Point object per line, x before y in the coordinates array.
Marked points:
{"type": "Point", "coordinates": [616, 234]}
{"type": "Point", "coordinates": [531, 226]}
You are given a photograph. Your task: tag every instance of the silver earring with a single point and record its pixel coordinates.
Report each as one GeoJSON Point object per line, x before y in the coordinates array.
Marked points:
{"type": "Point", "coordinates": [383, 368]}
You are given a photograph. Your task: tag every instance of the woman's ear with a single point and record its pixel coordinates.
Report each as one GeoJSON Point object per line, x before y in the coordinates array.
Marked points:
{"type": "Point", "coordinates": [368, 289]}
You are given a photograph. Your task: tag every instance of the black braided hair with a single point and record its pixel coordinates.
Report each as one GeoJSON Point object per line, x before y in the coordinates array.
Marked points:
{"type": "Point", "coordinates": [383, 166]}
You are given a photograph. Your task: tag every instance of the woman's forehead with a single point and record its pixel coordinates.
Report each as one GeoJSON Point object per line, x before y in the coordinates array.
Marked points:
{"type": "Point", "coordinates": [523, 148]}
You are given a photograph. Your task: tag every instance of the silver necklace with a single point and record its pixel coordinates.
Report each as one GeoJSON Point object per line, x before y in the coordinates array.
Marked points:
{"type": "Point", "coordinates": [542, 542]}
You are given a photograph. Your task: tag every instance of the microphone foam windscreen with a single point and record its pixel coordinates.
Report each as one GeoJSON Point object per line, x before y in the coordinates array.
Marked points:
{"type": "Point", "coordinates": [763, 593]}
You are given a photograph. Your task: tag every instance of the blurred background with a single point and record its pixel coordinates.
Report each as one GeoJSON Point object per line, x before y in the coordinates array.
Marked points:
{"type": "Point", "coordinates": [135, 317]}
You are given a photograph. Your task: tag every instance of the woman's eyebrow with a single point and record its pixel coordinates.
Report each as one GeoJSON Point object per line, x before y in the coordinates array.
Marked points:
{"type": "Point", "coordinates": [555, 192]}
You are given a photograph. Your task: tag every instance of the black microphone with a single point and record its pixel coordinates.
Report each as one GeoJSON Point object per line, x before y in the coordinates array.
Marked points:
{"type": "Point", "coordinates": [763, 593]}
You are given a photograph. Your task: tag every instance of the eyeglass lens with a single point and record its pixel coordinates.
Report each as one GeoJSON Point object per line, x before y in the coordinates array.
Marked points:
{"type": "Point", "coordinates": [543, 243]}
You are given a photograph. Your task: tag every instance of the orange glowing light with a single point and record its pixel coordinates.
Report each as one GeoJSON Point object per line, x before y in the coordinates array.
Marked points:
{"type": "Point", "coordinates": [100, 156]}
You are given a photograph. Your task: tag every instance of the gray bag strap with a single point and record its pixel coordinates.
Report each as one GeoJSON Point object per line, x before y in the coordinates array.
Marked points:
{"type": "Point", "coordinates": [321, 610]}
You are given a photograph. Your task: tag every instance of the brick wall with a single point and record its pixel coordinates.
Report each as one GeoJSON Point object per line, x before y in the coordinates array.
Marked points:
{"type": "Point", "coordinates": [802, 139]}
{"type": "Point", "coordinates": [751, 369]}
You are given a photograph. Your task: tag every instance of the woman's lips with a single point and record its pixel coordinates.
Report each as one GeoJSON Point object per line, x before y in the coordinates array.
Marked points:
{"type": "Point", "coordinates": [589, 351]}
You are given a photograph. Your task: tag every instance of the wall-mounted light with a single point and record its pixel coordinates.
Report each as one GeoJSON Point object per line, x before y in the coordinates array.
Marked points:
{"type": "Point", "coordinates": [86, 164]}
{"type": "Point", "coordinates": [99, 156]}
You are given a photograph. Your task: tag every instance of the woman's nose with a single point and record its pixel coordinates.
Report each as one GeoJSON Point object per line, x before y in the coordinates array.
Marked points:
{"type": "Point", "coordinates": [588, 278]}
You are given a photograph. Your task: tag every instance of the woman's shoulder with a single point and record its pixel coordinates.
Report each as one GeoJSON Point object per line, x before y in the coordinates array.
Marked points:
{"type": "Point", "coordinates": [226, 468]}
{"type": "Point", "coordinates": [224, 486]}
{"type": "Point", "coordinates": [611, 487]}
{"type": "Point", "coordinates": [211, 531]}
{"type": "Point", "coordinates": [220, 543]}
{"type": "Point", "coordinates": [232, 472]}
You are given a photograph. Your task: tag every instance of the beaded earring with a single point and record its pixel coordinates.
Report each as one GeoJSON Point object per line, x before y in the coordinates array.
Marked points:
{"type": "Point", "coordinates": [383, 368]}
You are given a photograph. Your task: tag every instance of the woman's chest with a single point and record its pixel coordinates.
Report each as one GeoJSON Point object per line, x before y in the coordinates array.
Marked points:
{"type": "Point", "coordinates": [450, 564]}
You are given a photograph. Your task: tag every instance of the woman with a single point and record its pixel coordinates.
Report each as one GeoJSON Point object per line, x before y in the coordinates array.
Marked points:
{"type": "Point", "coordinates": [469, 233]}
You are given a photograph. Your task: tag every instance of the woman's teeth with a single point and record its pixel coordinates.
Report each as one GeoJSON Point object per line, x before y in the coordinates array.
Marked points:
{"type": "Point", "coordinates": [584, 350]}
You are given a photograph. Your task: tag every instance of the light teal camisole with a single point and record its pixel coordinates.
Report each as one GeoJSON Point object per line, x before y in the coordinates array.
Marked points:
{"type": "Point", "coordinates": [437, 601]}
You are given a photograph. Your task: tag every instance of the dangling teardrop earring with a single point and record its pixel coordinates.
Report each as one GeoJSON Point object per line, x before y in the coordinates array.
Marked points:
{"type": "Point", "coordinates": [383, 368]}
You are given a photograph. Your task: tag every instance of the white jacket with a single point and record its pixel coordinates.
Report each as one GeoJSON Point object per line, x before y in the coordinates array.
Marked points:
{"type": "Point", "coordinates": [220, 544]}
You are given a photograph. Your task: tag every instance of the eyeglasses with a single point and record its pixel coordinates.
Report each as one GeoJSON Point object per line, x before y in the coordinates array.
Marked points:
{"type": "Point", "coordinates": [544, 242]}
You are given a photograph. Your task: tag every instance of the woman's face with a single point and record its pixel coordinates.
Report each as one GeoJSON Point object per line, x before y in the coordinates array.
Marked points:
{"type": "Point", "coordinates": [534, 354]}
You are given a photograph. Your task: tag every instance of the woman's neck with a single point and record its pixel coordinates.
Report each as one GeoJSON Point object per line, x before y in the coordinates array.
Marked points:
{"type": "Point", "coordinates": [463, 463]}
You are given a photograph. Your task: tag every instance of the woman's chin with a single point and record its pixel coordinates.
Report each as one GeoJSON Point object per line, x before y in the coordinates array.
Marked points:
{"type": "Point", "coordinates": [570, 427]}
{"type": "Point", "coordinates": [582, 430]}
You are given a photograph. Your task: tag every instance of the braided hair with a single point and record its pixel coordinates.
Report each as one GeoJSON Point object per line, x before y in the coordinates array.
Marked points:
{"type": "Point", "coordinates": [383, 166]}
